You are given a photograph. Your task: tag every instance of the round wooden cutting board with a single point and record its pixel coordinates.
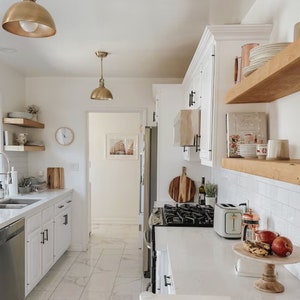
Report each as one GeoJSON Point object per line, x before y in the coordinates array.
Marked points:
{"type": "Point", "coordinates": [182, 188]}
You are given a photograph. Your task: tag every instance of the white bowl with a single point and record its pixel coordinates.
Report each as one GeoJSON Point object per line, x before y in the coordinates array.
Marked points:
{"type": "Point", "coordinates": [247, 150]}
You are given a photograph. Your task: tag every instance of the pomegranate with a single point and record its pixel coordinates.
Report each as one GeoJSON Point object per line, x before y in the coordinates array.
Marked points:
{"type": "Point", "coordinates": [266, 236]}
{"type": "Point", "coordinates": [282, 246]}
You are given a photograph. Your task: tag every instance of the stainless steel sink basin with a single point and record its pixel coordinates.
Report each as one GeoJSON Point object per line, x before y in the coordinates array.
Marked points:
{"type": "Point", "coordinates": [12, 206]}
{"type": "Point", "coordinates": [16, 203]}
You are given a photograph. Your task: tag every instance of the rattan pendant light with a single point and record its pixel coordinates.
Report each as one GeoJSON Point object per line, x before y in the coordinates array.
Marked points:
{"type": "Point", "coordinates": [101, 93]}
{"type": "Point", "coordinates": [28, 19]}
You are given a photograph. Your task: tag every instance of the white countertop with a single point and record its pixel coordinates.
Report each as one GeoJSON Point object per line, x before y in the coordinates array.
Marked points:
{"type": "Point", "coordinates": [8, 216]}
{"type": "Point", "coordinates": [203, 263]}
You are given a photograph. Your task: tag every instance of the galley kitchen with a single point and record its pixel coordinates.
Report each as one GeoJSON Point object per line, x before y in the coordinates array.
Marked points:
{"type": "Point", "coordinates": [152, 156]}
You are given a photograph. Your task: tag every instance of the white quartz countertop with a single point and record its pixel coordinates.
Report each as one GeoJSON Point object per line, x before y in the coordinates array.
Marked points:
{"type": "Point", "coordinates": [203, 263]}
{"type": "Point", "coordinates": [8, 216]}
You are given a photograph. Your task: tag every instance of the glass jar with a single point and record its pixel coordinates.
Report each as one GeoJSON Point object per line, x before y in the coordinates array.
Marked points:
{"type": "Point", "coordinates": [250, 224]}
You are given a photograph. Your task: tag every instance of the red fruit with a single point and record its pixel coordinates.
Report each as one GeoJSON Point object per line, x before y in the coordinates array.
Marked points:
{"type": "Point", "coordinates": [282, 246]}
{"type": "Point", "coordinates": [266, 236]}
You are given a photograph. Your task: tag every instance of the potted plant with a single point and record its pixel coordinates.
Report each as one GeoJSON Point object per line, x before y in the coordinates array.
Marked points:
{"type": "Point", "coordinates": [211, 191]}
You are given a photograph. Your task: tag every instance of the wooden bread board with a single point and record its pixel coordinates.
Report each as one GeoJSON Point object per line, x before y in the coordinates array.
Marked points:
{"type": "Point", "coordinates": [182, 188]}
{"type": "Point", "coordinates": [55, 178]}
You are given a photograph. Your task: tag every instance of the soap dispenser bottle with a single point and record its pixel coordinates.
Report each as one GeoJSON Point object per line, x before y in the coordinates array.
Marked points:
{"type": "Point", "coordinates": [13, 186]}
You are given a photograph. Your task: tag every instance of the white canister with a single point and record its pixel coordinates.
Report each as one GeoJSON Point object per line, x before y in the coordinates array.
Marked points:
{"type": "Point", "coordinates": [278, 150]}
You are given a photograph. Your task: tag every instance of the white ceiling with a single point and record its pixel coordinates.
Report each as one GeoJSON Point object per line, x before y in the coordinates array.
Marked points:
{"type": "Point", "coordinates": [145, 38]}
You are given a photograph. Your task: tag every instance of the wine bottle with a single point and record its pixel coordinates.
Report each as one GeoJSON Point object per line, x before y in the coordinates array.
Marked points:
{"type": "Point", "coordinates": [202, 192]}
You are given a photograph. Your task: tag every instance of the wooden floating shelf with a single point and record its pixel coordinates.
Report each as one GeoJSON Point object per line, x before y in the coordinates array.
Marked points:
{"type": "Point", "coordinates": [282, 170]}
{"type": "Point", "coordinates": [23, 122]}
{"type": "Point", "coordinates": [23, 148]}
{"type": "Point", "coordinates": [275, 79]}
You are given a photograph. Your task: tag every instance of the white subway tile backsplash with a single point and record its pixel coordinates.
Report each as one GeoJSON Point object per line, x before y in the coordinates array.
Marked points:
{"type": "Point", "coordinates": [277, 203]}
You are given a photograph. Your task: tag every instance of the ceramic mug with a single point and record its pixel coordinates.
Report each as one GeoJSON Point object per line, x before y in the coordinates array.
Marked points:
{"type": "Point", "coordinates": [261, 151]}
{"type": "Point", "coordinates": [278, 150]}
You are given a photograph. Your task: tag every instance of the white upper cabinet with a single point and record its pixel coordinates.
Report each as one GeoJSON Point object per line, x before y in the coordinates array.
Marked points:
{"type": "Point", "coordinates": [210, 76]}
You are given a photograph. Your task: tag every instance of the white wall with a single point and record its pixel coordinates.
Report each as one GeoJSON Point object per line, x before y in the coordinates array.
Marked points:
{"type": "Point", "coordinates": [276, 202]}
{"type": "Point", "coordinates": [114, 182]}
{"type": "Point", "coordinates": [12, 98]}
{"type": "Point", "coordinates": [66, 102]}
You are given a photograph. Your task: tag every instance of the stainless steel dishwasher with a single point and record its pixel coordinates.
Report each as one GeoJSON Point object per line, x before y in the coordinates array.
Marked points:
{"type": "Point", "coordinates": [12, 261]}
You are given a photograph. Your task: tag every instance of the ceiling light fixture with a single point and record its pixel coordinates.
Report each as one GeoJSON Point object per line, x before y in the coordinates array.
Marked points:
{"type": "Point", "coordinates": [28, 19]}
{"type": "Point", "coordinates": [101, 93]}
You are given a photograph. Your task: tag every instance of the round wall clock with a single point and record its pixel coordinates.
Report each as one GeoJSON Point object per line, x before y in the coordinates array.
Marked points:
{"type": "Point", "coordinates": [64, 136]}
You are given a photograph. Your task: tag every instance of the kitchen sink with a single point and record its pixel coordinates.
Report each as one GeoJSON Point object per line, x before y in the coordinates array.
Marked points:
{"type": "Point", "coordinates": [16, 203]}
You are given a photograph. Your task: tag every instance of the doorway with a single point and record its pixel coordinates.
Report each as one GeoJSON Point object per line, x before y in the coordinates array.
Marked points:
{"type": "Point", "coordinates": [114, 182]}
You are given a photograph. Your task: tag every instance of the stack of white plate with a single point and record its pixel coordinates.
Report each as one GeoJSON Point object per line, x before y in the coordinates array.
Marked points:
{"type": "Point", "coordinates": [20, 114]}
{"type": "Point", "coordinates": [247, 150]}
{"type": "Point", "coordinates": [262, 54]}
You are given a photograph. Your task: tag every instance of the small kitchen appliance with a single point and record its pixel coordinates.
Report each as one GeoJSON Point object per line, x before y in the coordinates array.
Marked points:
{"type": "Point", "coordinates": [250, 223]}
{"type": "Point", "coordinates": [228, 220]}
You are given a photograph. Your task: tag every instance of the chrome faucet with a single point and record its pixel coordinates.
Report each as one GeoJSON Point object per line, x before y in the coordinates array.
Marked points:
{"type": "Point", "coordinates": [8, 173]}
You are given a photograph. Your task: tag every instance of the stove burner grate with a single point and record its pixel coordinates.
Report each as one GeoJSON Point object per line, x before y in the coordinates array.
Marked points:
{"type": "Point", "coordinates": [188, 215]}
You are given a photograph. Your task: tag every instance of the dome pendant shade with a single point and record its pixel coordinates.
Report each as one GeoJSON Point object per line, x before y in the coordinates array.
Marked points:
{"type": "Point", "coordinates": [101, 92]}
{"type": "Point", "coordinates": [28, 19]}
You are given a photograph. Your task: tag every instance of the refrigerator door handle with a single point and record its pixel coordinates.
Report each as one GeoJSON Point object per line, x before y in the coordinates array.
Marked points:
{"type": "Point", "coordinates": [146, 242]}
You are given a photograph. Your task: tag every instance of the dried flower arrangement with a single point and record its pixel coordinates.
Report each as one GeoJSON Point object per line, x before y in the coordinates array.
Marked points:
{"type": "Point", "coordinates": [33, 109]}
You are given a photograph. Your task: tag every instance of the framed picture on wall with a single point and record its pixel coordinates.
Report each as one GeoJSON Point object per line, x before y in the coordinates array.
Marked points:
{"type": "Point", "coordinates": [121, 146]}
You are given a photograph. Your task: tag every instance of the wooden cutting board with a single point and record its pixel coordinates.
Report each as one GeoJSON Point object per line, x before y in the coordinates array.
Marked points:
{"type": "Point", "coordinates": [55, 178]}
{"type": "Point", "coordinates": [182, 188]}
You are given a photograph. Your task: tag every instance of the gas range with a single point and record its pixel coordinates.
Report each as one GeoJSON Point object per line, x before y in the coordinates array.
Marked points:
{"type": "Point", "coordinates": [184, 215]}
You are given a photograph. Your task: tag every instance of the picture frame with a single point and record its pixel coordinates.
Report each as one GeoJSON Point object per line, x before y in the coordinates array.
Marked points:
{"type": "Point", "coordinates": [122, 146]}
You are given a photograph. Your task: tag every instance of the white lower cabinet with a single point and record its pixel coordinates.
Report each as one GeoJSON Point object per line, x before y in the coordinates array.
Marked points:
{"type": "Point", "coordinates": [48, 236]}
{"type": "Point", "coordinates": [164, 279]}
{"type": "Point", "coordinates": [62, 231]}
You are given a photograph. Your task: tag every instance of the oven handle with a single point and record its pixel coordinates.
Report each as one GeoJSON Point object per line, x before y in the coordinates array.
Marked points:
{"type": "Point", "coordinates": [147, 243]}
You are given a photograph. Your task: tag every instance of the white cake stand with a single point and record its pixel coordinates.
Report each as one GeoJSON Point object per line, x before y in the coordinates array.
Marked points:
{"type": "Point", "coordinates": [268, 282]}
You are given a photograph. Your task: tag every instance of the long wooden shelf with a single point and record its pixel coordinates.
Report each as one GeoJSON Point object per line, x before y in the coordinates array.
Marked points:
{"type": "Point", "coordinates": [23, 122]}
{"type": "Point", "coordinates": [277, 78]}
{"type": "Point", "coordinates": [23, 148]}
{"type": "Point", "coordinates": [282, 170]}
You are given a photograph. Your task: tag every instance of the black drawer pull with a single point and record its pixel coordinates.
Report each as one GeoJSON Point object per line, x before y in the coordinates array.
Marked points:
{"type": "Point", "coordinates": [166, 280]}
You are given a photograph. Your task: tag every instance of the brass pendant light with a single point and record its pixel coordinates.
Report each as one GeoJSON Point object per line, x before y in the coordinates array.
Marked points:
{"type": "Point", "coordinates": [28, 19]}
{"type": "Point", "coordinates": [101, 93]}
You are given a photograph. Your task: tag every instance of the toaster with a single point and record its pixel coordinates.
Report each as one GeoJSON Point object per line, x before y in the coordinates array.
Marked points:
{"type": "Point", "coordinates": [228, 220]}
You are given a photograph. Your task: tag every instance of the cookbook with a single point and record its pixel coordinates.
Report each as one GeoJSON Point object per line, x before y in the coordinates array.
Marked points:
{"type": "Point", "coordinates": [244, 128]}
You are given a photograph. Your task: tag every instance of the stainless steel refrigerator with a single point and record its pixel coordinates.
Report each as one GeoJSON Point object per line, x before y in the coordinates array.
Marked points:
{"type": "Point", "coordinates": [148, 191]}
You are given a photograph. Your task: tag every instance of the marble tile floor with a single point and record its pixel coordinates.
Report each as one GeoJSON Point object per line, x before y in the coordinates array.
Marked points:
{"type": "Point", "coordinates": [111, 269]}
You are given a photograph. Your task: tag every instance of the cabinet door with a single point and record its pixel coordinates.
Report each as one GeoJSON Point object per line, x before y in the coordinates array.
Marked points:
{"type": "Point", "coordinates": [47, 246]}
{"type": "Point", "coordinates": [164, 280]}
{"type": "Point", "coordinates": [62, 232]}
{"type": "Point", "coordinates": [34, 259]}
{"type": "Point", "coordinates": [207, 99]}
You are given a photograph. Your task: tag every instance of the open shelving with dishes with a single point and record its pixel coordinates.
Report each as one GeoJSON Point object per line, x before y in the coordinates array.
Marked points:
{"type": "Point", "coordinates": [282, 170]}
{"type": "Point", "coordinates": [23, 123]}
{"type": "Point", "coordinates": [275, 79]}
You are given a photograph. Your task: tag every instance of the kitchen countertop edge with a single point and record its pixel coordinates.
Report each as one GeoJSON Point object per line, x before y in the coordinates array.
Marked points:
{"type": "Point", "coordinates": [47, 198]}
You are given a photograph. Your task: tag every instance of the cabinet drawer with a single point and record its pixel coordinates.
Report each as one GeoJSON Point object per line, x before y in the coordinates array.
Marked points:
{"type": "Point", "coordinates": [47, 214]}
{"type": "Point", "coordinates": [62, 204]}
{"type": "Point", "coordinates": [34, 222]}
